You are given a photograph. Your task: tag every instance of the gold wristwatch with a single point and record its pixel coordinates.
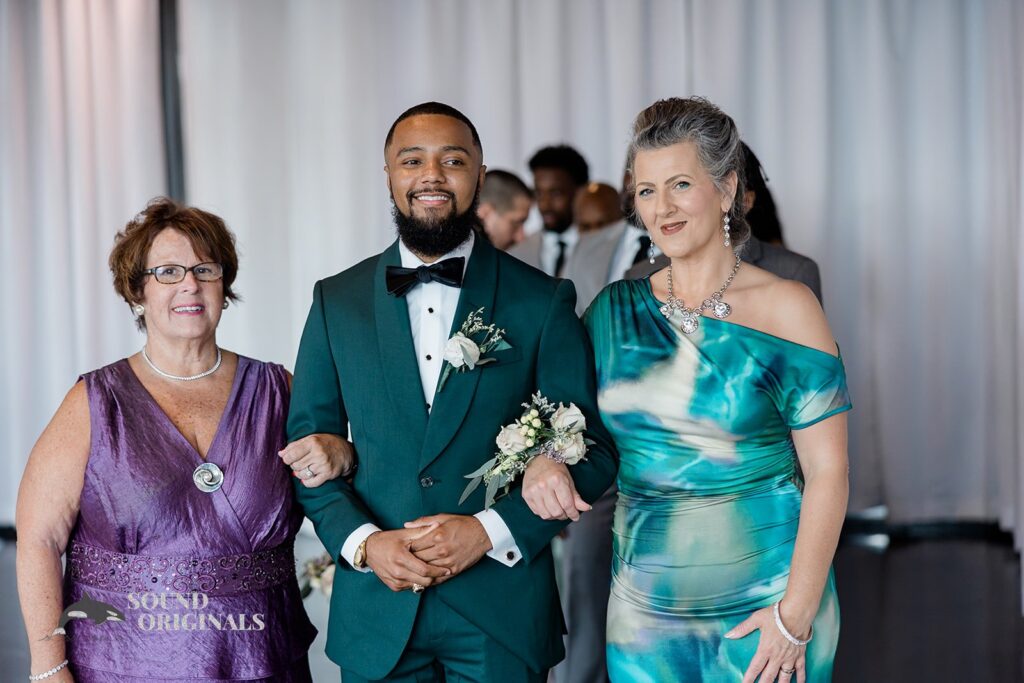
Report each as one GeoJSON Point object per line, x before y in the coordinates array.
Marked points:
{"type": "Point", "coordinates": [359, 559]}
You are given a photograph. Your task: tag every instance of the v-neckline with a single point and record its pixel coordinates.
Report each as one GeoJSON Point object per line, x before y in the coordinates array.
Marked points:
{"type": "Point", "coordinates": [235, 382]}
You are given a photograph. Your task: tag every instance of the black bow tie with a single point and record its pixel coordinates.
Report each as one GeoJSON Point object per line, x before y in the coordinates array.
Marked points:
{"type": "Point", "coordinates": [448, 272]}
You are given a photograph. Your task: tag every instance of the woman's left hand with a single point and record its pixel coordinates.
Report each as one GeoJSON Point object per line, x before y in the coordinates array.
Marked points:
{"type": "Point", "coordinates": [776, 657]}
{"type": "Point", "coordinates": [318, 458]}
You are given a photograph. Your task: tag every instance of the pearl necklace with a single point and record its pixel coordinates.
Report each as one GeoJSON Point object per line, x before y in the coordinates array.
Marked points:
{"type": "Point", "coordinates": [179, 378]}
{"type": "Point", "coordinates": [691, 316]}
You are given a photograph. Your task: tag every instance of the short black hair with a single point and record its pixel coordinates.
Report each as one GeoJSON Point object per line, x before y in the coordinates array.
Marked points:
{"type": "Point", "coordinates": [440, 109]}
{"type": "Point", "coordinates": [565, 158]}
{"type": "Point", "coordinates": [501, 189]}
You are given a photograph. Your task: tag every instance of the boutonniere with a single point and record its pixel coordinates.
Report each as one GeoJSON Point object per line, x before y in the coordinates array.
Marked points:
{"type": "Point", "coordinates": [467, 347]}
{"type": "Point", "coordinates": [555, 432]}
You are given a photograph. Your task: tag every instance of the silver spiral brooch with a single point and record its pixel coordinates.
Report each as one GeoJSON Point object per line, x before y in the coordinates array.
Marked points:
{"type": "Point", "coordinates": [208, 477]}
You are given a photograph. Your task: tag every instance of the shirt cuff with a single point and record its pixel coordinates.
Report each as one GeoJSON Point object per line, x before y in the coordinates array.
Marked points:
{"type": "Point", "coordinates": [348, 550]}
{"type": "Point", "coordinates": [503, 546]}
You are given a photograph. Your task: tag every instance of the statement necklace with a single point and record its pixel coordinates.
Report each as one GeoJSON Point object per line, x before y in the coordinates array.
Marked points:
{"type": "Point", "coordinates": [179, 378]}
{"type": "Point", "coordinates": [691, 316]}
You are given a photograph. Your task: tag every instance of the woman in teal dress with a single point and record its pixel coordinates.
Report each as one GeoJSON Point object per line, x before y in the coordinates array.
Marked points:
{"type": "Point", "coordinates": [723, 551]}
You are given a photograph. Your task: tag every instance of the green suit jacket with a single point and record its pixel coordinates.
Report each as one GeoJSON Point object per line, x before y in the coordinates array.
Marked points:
{"type": "Point", "coordinates": [356, 369]}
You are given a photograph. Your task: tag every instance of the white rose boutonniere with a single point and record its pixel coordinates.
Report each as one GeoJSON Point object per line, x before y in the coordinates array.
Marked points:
{"type": "Point", "coordinates": [463, 352]}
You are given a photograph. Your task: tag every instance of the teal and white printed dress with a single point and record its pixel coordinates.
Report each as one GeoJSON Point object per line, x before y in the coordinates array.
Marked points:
{"type": "Point", "coordinates": [708, 506]}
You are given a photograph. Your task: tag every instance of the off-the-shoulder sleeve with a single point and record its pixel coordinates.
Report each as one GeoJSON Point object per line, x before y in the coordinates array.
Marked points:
{"type": "Point", "coordinates": [812, 388]}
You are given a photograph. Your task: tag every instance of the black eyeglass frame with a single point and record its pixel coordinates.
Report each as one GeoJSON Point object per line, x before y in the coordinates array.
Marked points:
{"type": "Point", "coordinates": [184, 271]}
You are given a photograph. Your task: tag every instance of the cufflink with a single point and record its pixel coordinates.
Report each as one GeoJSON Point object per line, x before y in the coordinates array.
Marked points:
{"type": "Point", "coordinates": [510, 556]}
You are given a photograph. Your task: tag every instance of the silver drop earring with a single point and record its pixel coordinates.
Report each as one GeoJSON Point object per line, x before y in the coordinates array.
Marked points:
{"type": "Point", "coordinates": [725, 229]}
{"type": "Point", "coordinates": [650, 253]}
{"type": "Point", "coordinates": [139, 310]}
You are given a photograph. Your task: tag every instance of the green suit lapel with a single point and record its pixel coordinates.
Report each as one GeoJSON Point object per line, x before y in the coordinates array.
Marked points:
{"type": "Point", "coordinates": [397, 352]}
{"type": "Point", "coordinates": [452, 403]}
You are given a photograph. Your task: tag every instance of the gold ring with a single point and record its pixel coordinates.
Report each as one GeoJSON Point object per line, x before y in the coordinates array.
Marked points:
{"type": "Point", "coordinates": [417, 588]}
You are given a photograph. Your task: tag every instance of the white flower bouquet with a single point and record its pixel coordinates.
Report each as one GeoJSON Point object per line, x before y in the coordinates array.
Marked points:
{"type": "Point", "coordinates": [317, 572]}
{"type": "Point", "coordinates": [542, 429]}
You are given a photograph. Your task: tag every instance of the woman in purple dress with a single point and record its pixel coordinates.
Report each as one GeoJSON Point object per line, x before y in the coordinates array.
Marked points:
{"type": "Point", "coordinates": [160, 480]}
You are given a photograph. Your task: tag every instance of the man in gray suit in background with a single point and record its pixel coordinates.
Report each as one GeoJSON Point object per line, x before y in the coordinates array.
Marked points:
{"type": "Point", "coordinates": [558, 173]}
{"type": "Point", "coordinates": [604, 254]}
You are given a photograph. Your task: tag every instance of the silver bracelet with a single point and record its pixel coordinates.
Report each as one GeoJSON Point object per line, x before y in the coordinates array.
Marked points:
{"type": "Point", "coordinates": [47, 674]}
{"type": "Point", "coordinates": [786, 634]}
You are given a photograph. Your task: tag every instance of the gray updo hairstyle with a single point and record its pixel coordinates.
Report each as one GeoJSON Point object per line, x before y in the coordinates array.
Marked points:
{"type": "Point", "coordinates": [695, 119]}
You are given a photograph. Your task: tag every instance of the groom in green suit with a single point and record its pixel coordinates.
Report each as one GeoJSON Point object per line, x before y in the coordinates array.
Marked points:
{"type": "Point", "coordinates": [428, 588]}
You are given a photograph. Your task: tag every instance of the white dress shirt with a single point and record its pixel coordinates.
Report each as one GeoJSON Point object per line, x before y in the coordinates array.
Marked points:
{"type": "Point", "coordinates": [431, 316]}
{"type": "Point", "coordinates": [549, 247]}
{"type": "Point", "coordinates": [625, 252]}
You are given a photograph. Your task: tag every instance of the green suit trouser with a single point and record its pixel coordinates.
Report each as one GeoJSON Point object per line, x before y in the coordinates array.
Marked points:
{"type": "Point", "coordinates": [445, 647]}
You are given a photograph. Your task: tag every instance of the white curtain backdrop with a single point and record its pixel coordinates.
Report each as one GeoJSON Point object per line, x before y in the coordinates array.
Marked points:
{"type": "Point", "coordinates": [81, 151]}
{"type": "Point", "coordinates": [892, 132]}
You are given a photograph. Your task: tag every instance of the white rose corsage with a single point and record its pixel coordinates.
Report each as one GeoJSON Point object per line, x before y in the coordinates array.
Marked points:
{"type": "Point", "coordinates": [542, 429]}
{"type": "Point", "coordinates": [463, 353]}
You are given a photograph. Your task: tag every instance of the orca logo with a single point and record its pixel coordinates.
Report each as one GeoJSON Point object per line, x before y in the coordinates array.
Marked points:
{"type": "Point", "coordinates": [87, 608]}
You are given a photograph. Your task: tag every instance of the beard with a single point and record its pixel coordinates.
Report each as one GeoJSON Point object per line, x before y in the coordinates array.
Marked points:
{"type": "Point", "coordinates": [435, 237]}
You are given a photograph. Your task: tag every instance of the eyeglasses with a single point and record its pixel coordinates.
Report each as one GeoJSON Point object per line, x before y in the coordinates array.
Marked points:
{"type": "Point", "coordinates": [171, 273]}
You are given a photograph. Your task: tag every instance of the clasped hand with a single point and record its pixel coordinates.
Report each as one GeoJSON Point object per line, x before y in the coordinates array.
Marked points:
{"type": "Point", "coordinates": [431, 550]}
{"type": "Point", "coordinates": [427, 551]}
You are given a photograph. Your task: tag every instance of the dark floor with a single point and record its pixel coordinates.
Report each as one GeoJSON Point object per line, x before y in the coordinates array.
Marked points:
{"type": "Point", "coordinates": [930, 610]}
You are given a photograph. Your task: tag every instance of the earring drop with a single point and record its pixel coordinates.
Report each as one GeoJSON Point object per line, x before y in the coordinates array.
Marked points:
{"type": "Point", "coordinates": [139, 310]}
{"type": "Point", "coordinates": [226, 304]}
{"type": "Point", "coordinates": [725, 229]}
{"type": "Point", "coordinates": [650, 253]}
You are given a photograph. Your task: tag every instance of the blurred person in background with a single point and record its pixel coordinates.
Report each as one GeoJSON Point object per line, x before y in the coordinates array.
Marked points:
{"type": "Point", "coordinates": [505, 203]}
{"type": "Point", "coordinates": [558, 174]}
{"type": "Point", "coordinates": [596, 205]}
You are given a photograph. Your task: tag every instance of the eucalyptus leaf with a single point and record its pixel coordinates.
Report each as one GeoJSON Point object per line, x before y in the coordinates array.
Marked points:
{"type": "Point", "coordinates": [485, 361]}
{"type": "Point", "coordinates": [492, 489]}
{"type": "Point", "coordinates": [470, 488]}
{"type": "Point", "coordinates": [306, 590]}
{"type": "Point", "coordinates": [444, 376]}
{"type": "Point", "coordinates": [486, 466]}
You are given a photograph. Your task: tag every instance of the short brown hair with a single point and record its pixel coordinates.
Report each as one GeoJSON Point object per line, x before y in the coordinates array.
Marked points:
{"type": "Point", "coordinates": [209, 236]}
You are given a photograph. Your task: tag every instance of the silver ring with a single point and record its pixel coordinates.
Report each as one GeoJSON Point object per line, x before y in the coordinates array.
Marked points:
{"type": "Point", "coordinates": [309, 473]}
{"type": "Point", "coordinates": [788, 672]}
{"type": "Point", "coordinates": [417, 588]}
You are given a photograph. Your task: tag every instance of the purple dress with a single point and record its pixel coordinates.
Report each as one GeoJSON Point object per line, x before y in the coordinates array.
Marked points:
{"type": "Point", "coordinates": [205, 581]}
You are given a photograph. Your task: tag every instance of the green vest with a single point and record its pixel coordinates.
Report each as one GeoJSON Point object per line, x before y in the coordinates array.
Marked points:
{"type": "Point", "coordinates": [356, 369]}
